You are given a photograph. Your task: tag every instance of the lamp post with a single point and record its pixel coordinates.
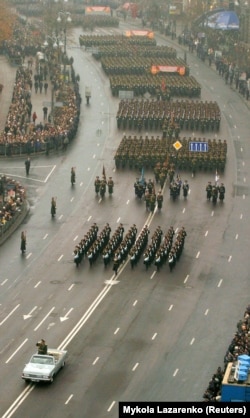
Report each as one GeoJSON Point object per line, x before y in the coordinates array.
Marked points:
{"type": "Point", "coordinates": [64, 17]}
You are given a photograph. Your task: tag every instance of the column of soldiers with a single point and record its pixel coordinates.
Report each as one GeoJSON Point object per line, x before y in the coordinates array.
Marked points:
{"type": "Point", "coordinates": [138, 65]}
{"type": "Point", "coordinates": [123, 49]}
{"type": "Point", "coordinates": [139, 246]}
{"type": "Point", "coordinates": [159, 114]}
{"type": "Point", "coordinates": [99, 244]}
{"type": "Point", "coordinates": [138, 152]}
{"type": "Point", "coordinates": [162, 253]}
{"type": "Point", "coordinates": [177, 248]}
{"type": "Point", "coordinates": [82, 248]}
{"type": "Point", "coordinates": [113, 244]}
{"type": "Point", "coordinates": [176, 85]}
{"type": "Point", "coordinates": [149, 255]}
{"type": "Point", "coordinates": [124, 248]}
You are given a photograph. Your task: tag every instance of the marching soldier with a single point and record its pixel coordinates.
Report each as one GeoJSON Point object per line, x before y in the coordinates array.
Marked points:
{"type": "Point", "coordinates": [97, 184]}
{"type": "Point", "coordinates": [185, 188]}
{"type": "Point", "coordinates": [222, 191]}
{"type": "Point", "coordinates": [159, 200]}
{"type": "Point", "coordinates": [110, 185]}
{"type": "Point", "coordinates": [209, 190]}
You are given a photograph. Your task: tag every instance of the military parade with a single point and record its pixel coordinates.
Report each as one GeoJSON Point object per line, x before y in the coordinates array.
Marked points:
{"type": "Point", "coordinates": [118, 248]}
{"type": "Point", "coordinates": [153, 152]}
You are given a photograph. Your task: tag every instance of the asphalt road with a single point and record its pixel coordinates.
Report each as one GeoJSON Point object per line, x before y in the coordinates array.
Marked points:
{"type": "Point", "coordinates": [143, 335]}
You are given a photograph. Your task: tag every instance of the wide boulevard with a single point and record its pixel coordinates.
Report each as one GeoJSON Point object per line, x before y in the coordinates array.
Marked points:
{"type": "Point", "coordinates": [141, 335]}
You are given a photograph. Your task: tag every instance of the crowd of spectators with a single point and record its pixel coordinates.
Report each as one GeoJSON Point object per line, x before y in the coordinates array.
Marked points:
{"type": "Point", "coordinates": [20, 134]}
{"type": "Point", "coordinates": [12, 197]}
{"type": "Point", "coordinates": [239, 345]}
{"type": "Point", "coordinates": [223, 50]}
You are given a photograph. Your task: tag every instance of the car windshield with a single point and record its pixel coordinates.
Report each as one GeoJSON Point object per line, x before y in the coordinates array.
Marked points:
{"type": "Point", "coordinates": [41, 360]}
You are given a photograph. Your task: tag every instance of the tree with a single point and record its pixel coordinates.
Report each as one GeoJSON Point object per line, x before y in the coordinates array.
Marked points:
{"type": "Point", "coordinates": [7, 20]}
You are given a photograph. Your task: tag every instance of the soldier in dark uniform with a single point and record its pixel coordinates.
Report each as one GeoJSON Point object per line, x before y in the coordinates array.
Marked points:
{"type": "Point", "coordinates": [209, 190]}
{"type": "Point", "coordinates": [222, 191]}
{"type": "Point", "coordinates": [110, 185]}
{"type": "Point", "coordinates": [27, 166]}
{"type": "Point", "coordinates": [185, 188]}
{"type": "Point", "coordinates": [97, 184]}
{"type": "Point", "coordinates": [159, 199]}
{"type": "Point", "coordinates": [116, 263]}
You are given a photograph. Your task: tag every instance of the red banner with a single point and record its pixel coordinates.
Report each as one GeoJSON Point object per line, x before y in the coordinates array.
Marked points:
{"type": "Point", "coordinates": [155, 69]}
{"type": "Point", "coordinates": [145, 33]}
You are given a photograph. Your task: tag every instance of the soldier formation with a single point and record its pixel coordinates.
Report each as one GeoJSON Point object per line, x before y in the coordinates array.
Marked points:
{"type": "Point", "coordinates": [149, 114]}
{"type": "Point", "coordinates": [138, 152]}
{"type": "Point", "coordinates": [118, 247]}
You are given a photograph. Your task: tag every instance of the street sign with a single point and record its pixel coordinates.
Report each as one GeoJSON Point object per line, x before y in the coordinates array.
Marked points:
{"type": "Point", "coordinates": [198, 146]}
{"type": "Point", "coordinates": [177, 145]}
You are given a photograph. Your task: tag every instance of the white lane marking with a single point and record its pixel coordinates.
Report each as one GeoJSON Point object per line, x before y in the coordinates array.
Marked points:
{"type": "Point", "coordinates": [241, 216]}
{"type": "Point", "coordinates": [135, 302]}
{"type": "Point", "coordinates": [192, 341]}
{"type": "Point", "coordinates": [89, 218]}
{"type": "Point", "coordinates": [88, 169]}
{"type": "Point", "coordinates": [13, 310]}
{"type": "Point", "coordinates": [212, 213]}
{"type": "Point", "coordinates": [186, 279]}
{"type": "Point", "coordinates": [65, 317]}
{"type": "Point", "coordinates": [220, 282]}
{"type": "Point", "coordinates": [154, 336]}
{"type": "Point", "coordinates": [128, 202]}
{"type": "Point", "coordinates": [60, 217]}
{"type": "Point", "coordinates": [229, 258]}
{"type": "Point", "coordinates": [206, 233]}
{"type": "Point", "coordinates": [206, 311]}
{"type": "Point", "coordinates": [243, 163]}
{"type": "Point", "coordinates": [183, 210]}
{"type": "Point", "coordinates": [117, 329]}
{"type": "Point", "coordinates": [81, 184]}
{"type": "Point", "coordinates": [236, 236]}
{"type": "Point", "coordinates": [118, 220]}
{"type": "Point", "coordinates": [44, 319]}
{"type": "Point", "coordinates": [38, 283]}
{"type": "Point", "coordinates": [75, 238]}
{"type": "Point", "coordinates": [72, 199]}
{"type": "Point", "coordinates": [170, 307]}
{"type": "Point", "coordinates": [244, 196]}
{"type": "Point", "coordinates": [28, 256]}
{"type": "Point", "coordinates": [29, 314]}
{"type": "Point", "coordinates": [20, 346]}
{"type": "Point", "coordinates": [71, 287]}
{"type": "Point", "coordinates": [4, 282]}
{"type": "Point", "coordinates": [135, 366]}
{"type": "Point", "coordinates": [153, 274]}
{"type": "Point", "coordinates": [69, 398]}
{"type": "Point", "coordinates": [45, 236]}
{"type": "Point", "coordinates": [61, 256]}
{"type": "Point", "coordinates": [111, 406]}
{"type": "Point", "coordinates": [198, 254]}
{"type": "Point", "coordinates": [48, 176]}
{"type": "Point", "coordinates": [175, 372]}
{"type": "Point", "coordinates": [244, 179]}
{"type": "Point", "coordinates": [95, 361]}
